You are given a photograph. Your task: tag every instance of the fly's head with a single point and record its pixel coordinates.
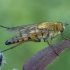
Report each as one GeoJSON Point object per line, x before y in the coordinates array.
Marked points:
{"type": "Point", "coordinates": [60, 26]}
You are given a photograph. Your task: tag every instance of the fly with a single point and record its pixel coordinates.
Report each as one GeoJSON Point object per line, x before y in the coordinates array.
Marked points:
{"type": "Point", "coordinates": [35, 32]}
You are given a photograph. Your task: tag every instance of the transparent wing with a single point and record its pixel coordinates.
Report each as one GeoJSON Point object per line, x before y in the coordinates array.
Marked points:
{"type": "Point", "coordinates": [19, 28]}
{"type": "Point", "coordinates": [16, 29]}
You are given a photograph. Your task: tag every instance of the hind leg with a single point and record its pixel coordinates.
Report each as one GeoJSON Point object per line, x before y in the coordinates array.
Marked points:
{"type": "Point", "coordinates": [4, 27]}
{"type": "Point", "coordinates": [11, 47]}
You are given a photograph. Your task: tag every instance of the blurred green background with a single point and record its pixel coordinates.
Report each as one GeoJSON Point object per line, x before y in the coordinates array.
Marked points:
{"type": "Point", "coordinates": [21, 12]}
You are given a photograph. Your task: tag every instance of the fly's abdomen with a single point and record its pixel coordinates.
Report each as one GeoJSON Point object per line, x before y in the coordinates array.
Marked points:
{"type": "Point", "coordinates": [17, 39]}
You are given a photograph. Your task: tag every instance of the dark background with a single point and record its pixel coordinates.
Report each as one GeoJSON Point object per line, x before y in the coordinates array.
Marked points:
{"type": "Point", "coordinates": [21, 12]}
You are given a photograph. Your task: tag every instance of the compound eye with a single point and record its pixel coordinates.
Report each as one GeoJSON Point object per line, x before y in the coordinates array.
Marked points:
{"type": "Point", "coordinates": [61, 28]}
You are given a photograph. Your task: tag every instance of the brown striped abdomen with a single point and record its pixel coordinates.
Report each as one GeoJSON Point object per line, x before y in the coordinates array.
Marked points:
{"type": "Point", "coordinates": [31, 35]}
{"type": "Point", "coordinates": [18, 38]}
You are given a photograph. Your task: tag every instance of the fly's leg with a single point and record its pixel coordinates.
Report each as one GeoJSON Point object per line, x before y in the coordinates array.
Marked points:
{"type": "Point", "coordinates": [53, 38]}
{"type": "Point", "coordinates": [17, 28]}
{"type": "Point", "coordinates": [63, 37]}
{"type": "Point", "coordinates": [52, 47]}
{"type": "Point", "coordinates": [11, 47]}
{"type": "Point", "coordinates": [50, 43]}
{"type": "Point", "coordinates": [4, 27]}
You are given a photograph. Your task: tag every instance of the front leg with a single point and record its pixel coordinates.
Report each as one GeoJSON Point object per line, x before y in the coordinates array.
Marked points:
{"type": "Point", "coordinates": [63, 37]}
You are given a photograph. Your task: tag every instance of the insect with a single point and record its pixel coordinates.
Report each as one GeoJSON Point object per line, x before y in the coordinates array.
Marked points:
{"type": "Point", "coordinates": [35, 32]}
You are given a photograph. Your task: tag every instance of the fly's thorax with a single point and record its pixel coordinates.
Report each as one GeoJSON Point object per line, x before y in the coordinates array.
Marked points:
{"type": "Point", "coordinates": [41, 26]}
{"type": "Point", "coordinates": [59, 26]}
{"type": "Point", "coordinates": [45, 25]}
